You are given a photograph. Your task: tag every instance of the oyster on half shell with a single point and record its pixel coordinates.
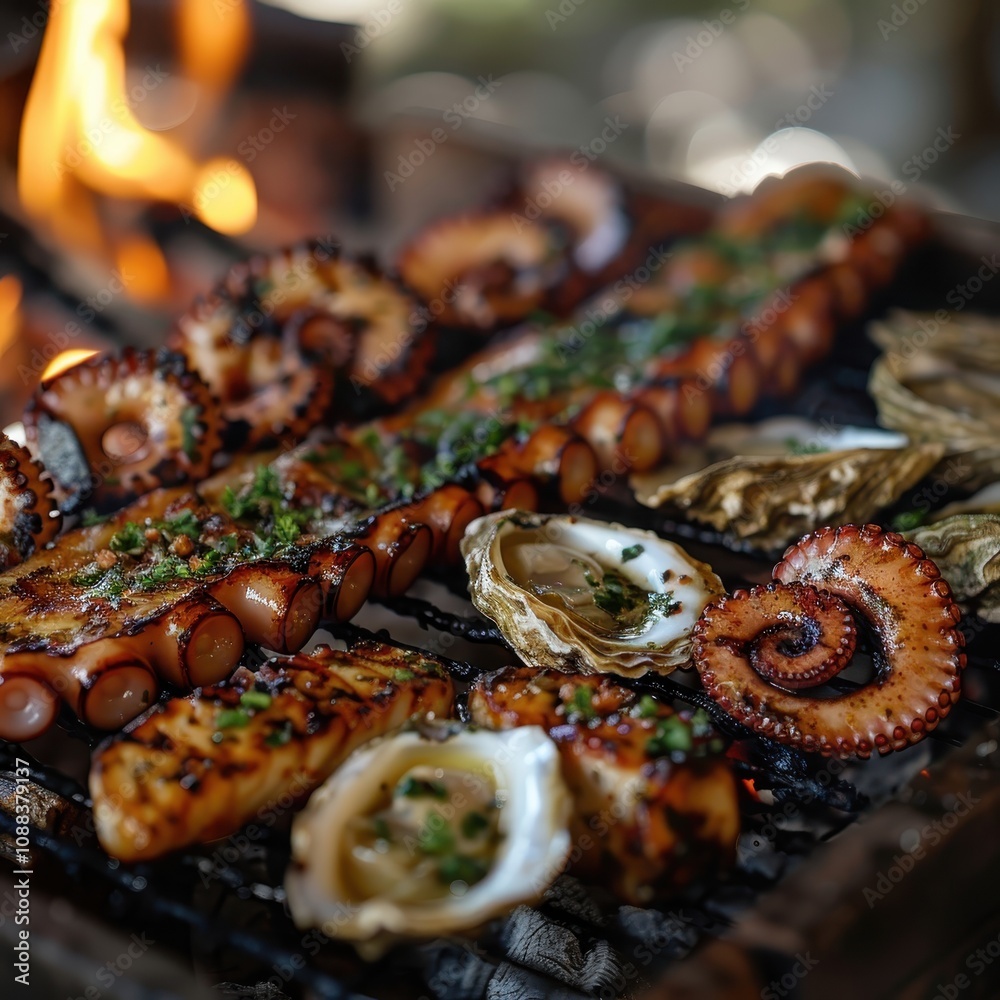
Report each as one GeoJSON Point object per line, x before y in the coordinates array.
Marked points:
{"type": "Point", "coordinates": [966, 549]}
{"type": "Point", "coordinates": [940, 381]}
{"type": "Point", "coordinates": [430, 832]}
{"type": "Point", "coordinates": [767, 484]}
{"type": "Point", "coordinates": [577, 594]}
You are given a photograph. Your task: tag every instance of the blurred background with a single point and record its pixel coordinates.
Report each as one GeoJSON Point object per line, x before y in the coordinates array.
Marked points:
{"type": "Point", "coordinates": [147, 144]}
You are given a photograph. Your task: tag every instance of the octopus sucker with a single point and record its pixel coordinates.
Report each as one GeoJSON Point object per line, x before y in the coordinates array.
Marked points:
{"type": "Point", "coordinates": [401, 547]}
{"type": "Point", "coordinates": [278, 607]}
{"type": "Point", "coordinates": [618, 428]}
{"type": "Point", "coordinates": [29, 517]}
{"type": "Point", "coordinates": [111, 429]}
{"type": "Point", "coordinates": [760, 670]}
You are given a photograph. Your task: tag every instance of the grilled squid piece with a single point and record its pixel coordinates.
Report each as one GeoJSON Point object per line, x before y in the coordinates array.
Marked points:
{"type": "Point", "coordinates": [762, 653]}
{"type": "Point", "coordinates": [111, 429]}
{"type": "Point", "coordinates": [572, 593]}
{"type": "Point", "coordinates": [427, 833]}
{"type": "Point", "coordinates": [654, 801]}
{"type": "Point", "coordinates": [484, 270]}
{"type": "Point", "coordinates": [29, 517]}
{"type": "Point", "coordinates": [197, 768]}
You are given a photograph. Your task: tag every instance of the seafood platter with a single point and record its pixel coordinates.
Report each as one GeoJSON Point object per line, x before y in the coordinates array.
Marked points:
{"type": "Point", "coordinates": [511, 615]}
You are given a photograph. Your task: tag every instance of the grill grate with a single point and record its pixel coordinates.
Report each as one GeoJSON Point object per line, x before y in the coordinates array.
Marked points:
{"type": "Point", "coordinates": [224, 903]}
{"type": "Point", "coordinates": [241, 879]}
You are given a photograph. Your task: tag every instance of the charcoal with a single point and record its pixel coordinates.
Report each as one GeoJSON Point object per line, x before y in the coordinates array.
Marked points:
{"type": "Point", "coordinates": [536, 942]}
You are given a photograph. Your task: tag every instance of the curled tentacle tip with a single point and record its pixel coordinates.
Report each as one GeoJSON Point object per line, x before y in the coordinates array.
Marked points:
{"type": "Point", "coordinates": [773, 643]}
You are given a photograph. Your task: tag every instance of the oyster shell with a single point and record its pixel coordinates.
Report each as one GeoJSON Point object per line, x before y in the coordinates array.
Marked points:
{"type": "Point", "coordinates": [576, 594]}
{"type": "Point", "coordinates": [966, 549]}
{"type": "Point", "coordinates": [939, 380]}
{"type": "Point", "coordinates": [769, 483]}
{"type": "Point", "coordinates": [386, 848]}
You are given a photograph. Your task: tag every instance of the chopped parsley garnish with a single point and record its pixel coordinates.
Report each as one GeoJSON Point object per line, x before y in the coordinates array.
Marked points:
{"type": "Point", "coordinates": [287, 528]}
{"type": "Point", "coordinates": [796, 447]}
{"type": "Point", "coordinates": [263, 495]}
{"type": "Point", "coordinates": [184, 523]}
{"type": "Point", "coordinates": [280, 736]}
{"type": "Point", "coordinates": [460, 868]}
{"type": "Point", "coordinates": [167, 570]}
{"type": "Point", "coordinates": [255, 699]}
{"type": "Point", "coordinates": [473, 824]}
{"type": "Point", "coordinates": [672, 735]}
{"type": "Point", "coordinates": [232, 718]}
{"type": "Point", "coordinates": [614, 594]}
{"type": "Point", "coordinates": [109, 583]}
{"type": "Point", "coordinates": [436, 836]}
{"type": "Point", "coordinates": [632, 552]}
{"type": "Point", "coordinates": [189, 439]}
{"type": "Point", "coordinates": [130, 539]}
{"type": "Point", "coordinates": [648, 707]}
{"type": "Point", "coordinates": [413, 788]}
{"type": "Point", "coordinates": [582, 703]}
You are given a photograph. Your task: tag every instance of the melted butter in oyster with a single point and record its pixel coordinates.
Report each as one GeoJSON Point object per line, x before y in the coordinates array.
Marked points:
{"type": "Point", "coordinates": [433, 834]}
{"type": "Point", "coordinates": [575, 582]}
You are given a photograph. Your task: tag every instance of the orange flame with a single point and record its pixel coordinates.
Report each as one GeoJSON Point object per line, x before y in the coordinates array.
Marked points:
{"type": "Point", "coordinates": [10, 319]}
{"type": "Point", "coordinates": [65, 360]}
{"type": "Point", "coordinates": [749, 785]}
{"type": "Point", "coordinates": [79, 134]}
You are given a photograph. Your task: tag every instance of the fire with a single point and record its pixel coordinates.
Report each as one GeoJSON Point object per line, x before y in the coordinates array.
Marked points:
{"type": "Point", "coordinates": [10, 300]}
{"type": "Point", "coordinates": [66, 360]}
{"type": "Point", "coordinates": [140, 257]}
{"type": "Point", "coordinates": [79, 134]}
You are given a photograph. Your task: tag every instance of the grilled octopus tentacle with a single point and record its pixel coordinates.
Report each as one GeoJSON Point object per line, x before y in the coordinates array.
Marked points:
{"type": "Point", "coordinates": [105, 682]}
{"type": "Point", "coordinates": [482, 270]}
{"type": "Point", "coordinates": [314, 321]}
{"type": "Point", "coordinates": [757, 651]}
{"type": "Point", "coordinates": [111, 429]}
{"type": "Point", "coordinates": [28, 514]}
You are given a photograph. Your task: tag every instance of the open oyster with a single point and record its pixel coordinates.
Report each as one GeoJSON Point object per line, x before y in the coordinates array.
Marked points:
{"type": "Point", "coordinates": [769, 483]}
{"type": "Point", "coordinates": [576, 594]}
{"type": "Point", "coordinates": [966, 548]}
{"type": "Point", "coordinates": [939, 380]}
{"type": "Point", "coordinates": [428, 833]}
